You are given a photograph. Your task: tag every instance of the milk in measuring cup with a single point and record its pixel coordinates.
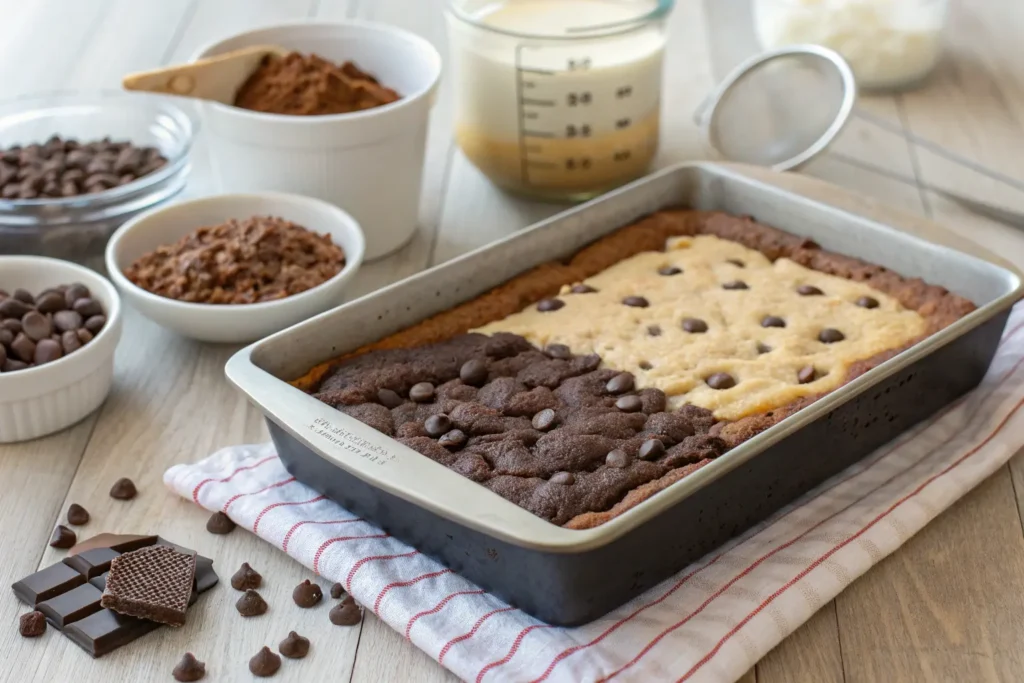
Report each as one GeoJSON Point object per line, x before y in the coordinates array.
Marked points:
{"type": "Point", "coordinates": [563, 112]}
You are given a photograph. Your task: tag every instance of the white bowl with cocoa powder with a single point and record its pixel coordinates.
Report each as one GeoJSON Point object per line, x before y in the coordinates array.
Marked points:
{"type": "Point", "coordinates": [231, 322]}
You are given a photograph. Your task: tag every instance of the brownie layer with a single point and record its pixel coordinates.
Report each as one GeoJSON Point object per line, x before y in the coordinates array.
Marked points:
{"type": "Point", "coordinates": [600, 496]}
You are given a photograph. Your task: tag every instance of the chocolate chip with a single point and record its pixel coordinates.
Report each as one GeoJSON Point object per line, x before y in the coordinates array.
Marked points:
{"type": "Point", "coordinates": [14, 326]}
{"type": "Point", "coordinates": [62, 537]}
{"type": "Point", "coordinates": [75, 292]}
{"type": "Point", "coordinates": [50, 301]}
{"type": "Point", "coordinates": [123, 489]}
{"type": "Point", "coordinates": [24, 348]}
{"type": "Point", "coordinates": [337, 591]}
{"type": "Point", "coordinates": [735, 284]}
{"type": "Point", "coordinates": [307, 594]}
{"type": "Point", "coordinates": [422, 392]}
{"type": "Point", "coordinates": [77, 515]}
{"type": "Point", "coordinates": [265, 663]}
{"type": "Point", "coordinates": [220, 524]}
{"type": "Point", "coordinates": [721, 380]}
{"type": "Point", "coordinates": [24, 296]}
{"type": "Point", "coordinates": [6, 336]}
{"type": "Point", "coordinates": [654, 330]}
{"type": "Point", "coordinates": [70, 342]}
{"type": "Point", "coordinates": [544, 420]}
{"type": "Point", "coordinates": [47, 351]}
{"type": "Point", "coordinates": [695, 325]}
{"type": "Point", "coordinates": [389, 399]}
{"type": "Point", "coordinates": [558, 351]}
{"type": "Point", "coordinates": [736, 262]}
{"type": "Point", "coordinates": [644, 365]}
{"type": "Point", "coordinates": [620, 383]}
{"type": "Point", "coordinates": [629, 404]}
{"type": "Point", "coordinates": [87, 308]}
{"type": "Point", "coordinates": [867, 302]}
{"type": "Point", "coordinates": [67, 320]}
{"type": "Point", "coordinates": [806, 374]}
{"type": "Point", "coordinates": [617, 458]}
{"type": "Point", "coordinates": [246, 578]}
{"type": "Point", "coordinates": [437, 425]}
{"type": "Point", "coordinates": [294, 646]}
{"type": "Point", "coordinates": [13, 308]}
{"type": "Point", "coordinates": [473, 372]}
{"type": "Point", "coordinates": [548, 305]}
{"type": "Point", "coordinates": [563, 478]}
{"type": "Point", "coordinates": [830, 335]}
{"type": "Point", "coordinates": [84, 335]}
{"type": "Point", "coordinates": [36, 326]}
{"type": "Point", "coordinates": [669, 270]}
{"type": "Point", "coordinates": [189, 669]}
{"type": "Point", "coordinates": [808, 290]}
{"type": "Point", "coordinates": [636, 302]}
{"type": "Point", "coordinates": [772, 321]}
{"type": "Point", "coordinates": [345, 613]}
{"type": "Point", "coordinates": [251, 604]}
{"type": "Point", "coordinates": [763, 348]}
{"type": "Point", "coordinates": [32, 624]}
{"type": "Point", "coordinates": [95, 323]}
{"type": "Point", "coordinates": [11, 365]}
{"type": "Point", "coordinates": [582, 289]}
{"type": "Point", "coordinates": [652, 449]}
{"type": "Point", "coordinates": [453, 439]}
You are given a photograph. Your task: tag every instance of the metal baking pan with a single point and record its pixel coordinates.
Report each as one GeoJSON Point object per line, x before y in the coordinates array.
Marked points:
{"type": "Point", "coordinates": [569, 577]}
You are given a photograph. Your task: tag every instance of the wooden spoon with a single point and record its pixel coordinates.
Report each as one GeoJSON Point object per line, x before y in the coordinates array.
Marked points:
{"type": "Point", "coordinates": [214, 78]}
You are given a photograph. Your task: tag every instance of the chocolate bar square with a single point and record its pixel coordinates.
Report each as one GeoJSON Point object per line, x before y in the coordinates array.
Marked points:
{"type": "Point", "coordinates": [78, 603]}
{"type": "Point", "coordinates": [46, 583]}
{"type": "Point", "coordinates": [92, 562]}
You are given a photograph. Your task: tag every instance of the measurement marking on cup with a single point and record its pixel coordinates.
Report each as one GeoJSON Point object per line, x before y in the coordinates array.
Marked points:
{"type": "Point", "coordinates": [543, 72]}
{"type": "Point", "coordinates": [526, 101]}
{"type": "Point", "coordinates": [538, 134]}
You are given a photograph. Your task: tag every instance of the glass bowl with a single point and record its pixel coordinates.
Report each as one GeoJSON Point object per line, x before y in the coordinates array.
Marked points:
{"type": "Point", "coordinates": [77, 228]}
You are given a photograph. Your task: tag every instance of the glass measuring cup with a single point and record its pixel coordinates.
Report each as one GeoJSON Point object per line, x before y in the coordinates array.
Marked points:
{"type": "Point", "coordinates": [558, 99]}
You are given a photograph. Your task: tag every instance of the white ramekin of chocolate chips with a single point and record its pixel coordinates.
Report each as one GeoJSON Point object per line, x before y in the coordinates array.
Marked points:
{"type": "Point", "coordinates": [59, 326]}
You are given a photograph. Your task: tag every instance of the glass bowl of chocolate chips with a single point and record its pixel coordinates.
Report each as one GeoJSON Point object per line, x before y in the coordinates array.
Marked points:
{"type": "Point", "coordinates": [74, 167]}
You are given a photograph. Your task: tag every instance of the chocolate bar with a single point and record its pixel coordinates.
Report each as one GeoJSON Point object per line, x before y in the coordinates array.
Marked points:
{"type": "Point", "coordinates": [69, 593]}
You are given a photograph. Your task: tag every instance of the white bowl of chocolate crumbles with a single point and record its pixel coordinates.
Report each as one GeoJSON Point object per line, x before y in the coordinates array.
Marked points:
{"type": "Point", "coordinates": [234, 268]}
{"type": "Point", "coordinates": [59, 326]}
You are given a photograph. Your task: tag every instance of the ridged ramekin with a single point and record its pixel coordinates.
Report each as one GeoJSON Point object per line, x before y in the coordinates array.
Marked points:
{"type": "Point", "coordinates": [45, 399]}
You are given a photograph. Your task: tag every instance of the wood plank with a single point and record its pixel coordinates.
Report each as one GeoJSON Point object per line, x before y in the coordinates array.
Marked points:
{"type": "Point", "coordinates": [812, 653]}
{"type": "Point", "coordinates": [949, 606]}
{"type": "Point", "coordinates": [384, 655]}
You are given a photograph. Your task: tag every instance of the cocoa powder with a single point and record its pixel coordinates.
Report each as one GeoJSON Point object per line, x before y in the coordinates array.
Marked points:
{"type": "Point", "coordinates": [309, 85]}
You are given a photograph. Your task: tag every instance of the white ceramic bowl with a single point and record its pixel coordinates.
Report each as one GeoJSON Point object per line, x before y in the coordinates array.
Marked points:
{"type": "Point", "coordinates": [45, 399]}
{"type": "Point", "coordinates": [370, 162]}
{"type": "Point", "coordinates": [232, 323]}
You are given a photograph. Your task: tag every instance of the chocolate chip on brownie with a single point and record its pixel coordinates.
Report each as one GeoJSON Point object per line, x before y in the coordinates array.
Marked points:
{"type": "Point", "coordinates": [867, 302]}
{"type": "Point", "coordinates": [473, 372]}
{"type": "Point", "coordinates": [652, 449]}
{"type": "Point", "coordinates": [617, 458]}
{"type": "Point", "coordinates": [437, 425]}
{"type": "Point", "coordinates": [620, 383]}
{"type": "Point", "coordinates": [452, 439]}
{"type": "Point", "coordinates": [735, 284]}
{"type": "Point", "coordinates": [389, 399]}
{"type": "Point", "coordinates": [563, 478]}
{"type": "Point", "coordinates": [830, 335]}
{"type": "Point", "coordinates": [559, 351]}
{"type": "Point", "coordinates": [544, 420]}
{"type": "Point", "coordinates": [630, 404]}
{"type": "Point", "coordinates": [422, 392]}
{"type": "Point", "coordinates": [721, 380]}
{"type": "Point", "coordinates": [548, 305]}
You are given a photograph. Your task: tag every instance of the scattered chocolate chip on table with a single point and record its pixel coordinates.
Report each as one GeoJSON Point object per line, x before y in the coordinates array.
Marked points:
{"type": "Point", "coordinates": [307, 594]}
{"type": "Point", "coordinates": [189, 669]}
{"type": "Point", "coordinates": [294, 646]}
{"type": "Point", "coordinates": [264, 663]}
{"type": "Point", "coordinates": [123, 489]}
{"type": "Point", "coordinates": [32, 624]}
{"type": "Point", "coordinates": [346, 613]}
{"type": "Point", "coordinates": [219, 523]}
{"type": "Point", "coordinates": [251, 604]}
{"type": "Point", "coordinates": [337, 591]}
{"type": "Point", "coordinates": [246, 578]}
{"type": "Point", "coordinates": [77, 515]}
{"type": "Point", "coordinates": [62, 537]}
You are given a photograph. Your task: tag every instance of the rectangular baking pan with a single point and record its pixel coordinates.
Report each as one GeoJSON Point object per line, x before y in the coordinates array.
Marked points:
{"type": "Point", "coordinates": [569, 577]}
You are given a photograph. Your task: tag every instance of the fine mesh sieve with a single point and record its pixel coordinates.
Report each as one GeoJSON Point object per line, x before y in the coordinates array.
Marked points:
{"type": "Point", "coordinates": [782, 108]}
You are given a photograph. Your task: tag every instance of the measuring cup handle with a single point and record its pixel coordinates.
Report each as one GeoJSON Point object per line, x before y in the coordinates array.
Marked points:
{"type": "Point", "coordinates": [700, 114]}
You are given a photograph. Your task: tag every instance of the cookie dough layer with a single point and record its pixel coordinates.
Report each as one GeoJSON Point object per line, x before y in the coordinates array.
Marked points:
{"type": "Point", "coordinates": [714, 306]}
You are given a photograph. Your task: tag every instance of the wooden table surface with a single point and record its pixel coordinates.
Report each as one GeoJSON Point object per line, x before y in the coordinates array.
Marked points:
{"type": "Point", "coordinates": [948, 606]}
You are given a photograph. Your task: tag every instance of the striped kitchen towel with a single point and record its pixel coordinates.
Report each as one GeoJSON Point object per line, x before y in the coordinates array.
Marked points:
{"type": "Point", "coordinates": [711, 622]}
